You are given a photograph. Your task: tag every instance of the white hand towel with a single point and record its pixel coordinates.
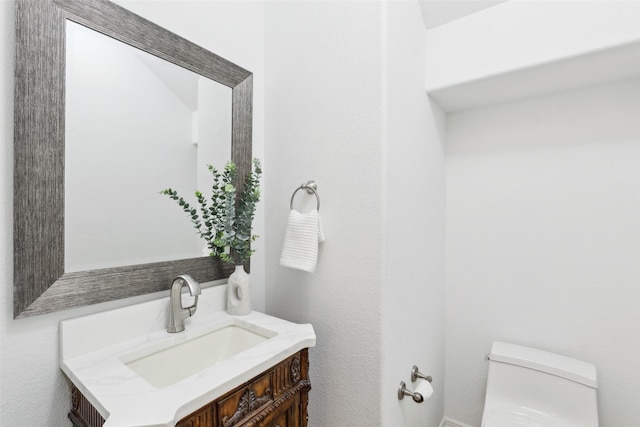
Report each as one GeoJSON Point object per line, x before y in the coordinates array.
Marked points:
{"type": "Point", "coordinates": [304, 232]}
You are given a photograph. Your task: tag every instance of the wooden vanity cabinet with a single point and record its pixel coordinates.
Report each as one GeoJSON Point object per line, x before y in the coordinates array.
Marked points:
{"type": "Point", "coordinates": [277, 397]}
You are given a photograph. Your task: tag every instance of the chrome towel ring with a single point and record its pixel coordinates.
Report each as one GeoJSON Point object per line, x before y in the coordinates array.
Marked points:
{"type": "Point", "coordinates": [311, 188]}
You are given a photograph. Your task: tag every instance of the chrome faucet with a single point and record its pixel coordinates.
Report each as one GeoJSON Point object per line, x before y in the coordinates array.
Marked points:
{"type": "Point", "coordinates": [177, 313]}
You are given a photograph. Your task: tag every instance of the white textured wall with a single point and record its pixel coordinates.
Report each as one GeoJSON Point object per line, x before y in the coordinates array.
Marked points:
{"type": "Point", "coordinates": [33, 391]}
{"type": "Point", "coordinates": [414, 286]}
{"type": "Point", "coordinates": [323, 113]}
{"type": "Point", "coordinates": [346, 106]}
{"type": "Point", "coordinates": [543, 240]}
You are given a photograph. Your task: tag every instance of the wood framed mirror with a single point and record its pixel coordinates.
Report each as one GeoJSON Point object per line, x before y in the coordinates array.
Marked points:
{"type": "Point", "coordinates": [41, 284]}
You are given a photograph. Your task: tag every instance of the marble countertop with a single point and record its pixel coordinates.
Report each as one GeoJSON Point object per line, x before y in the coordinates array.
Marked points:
{"type": "Point", "coordinates": [91, 349]}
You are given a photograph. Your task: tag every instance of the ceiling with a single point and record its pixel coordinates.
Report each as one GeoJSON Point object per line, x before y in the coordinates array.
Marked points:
{"type": "Point", "coordinates": [439, 12]}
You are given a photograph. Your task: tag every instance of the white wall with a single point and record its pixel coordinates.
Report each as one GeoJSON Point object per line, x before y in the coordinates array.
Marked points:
{"type": "Point", "coordinates": [414, 286]}
{"type": "Point", "coordinates": [543, 240]}
{"type": "Point", "coordinates": [33, 391]}
{"type": "Point", "coordinates": [346, 107]}
{"type": "Point", "coordinates": [323, 113]}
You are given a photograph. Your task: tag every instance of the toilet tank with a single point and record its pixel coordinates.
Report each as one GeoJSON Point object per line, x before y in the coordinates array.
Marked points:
{"type": "Point", "coordinates": [539, 386]}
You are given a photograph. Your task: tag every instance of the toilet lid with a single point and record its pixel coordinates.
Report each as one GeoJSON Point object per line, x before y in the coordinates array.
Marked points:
{"type": "Point", "coordinates": [523, 418]}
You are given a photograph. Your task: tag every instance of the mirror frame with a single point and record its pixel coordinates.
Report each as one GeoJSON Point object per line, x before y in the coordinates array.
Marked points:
{"type": "Point", "coordinates": [40, 282]}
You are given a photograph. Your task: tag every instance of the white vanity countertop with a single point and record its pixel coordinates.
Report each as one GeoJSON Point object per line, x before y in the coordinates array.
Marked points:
{"type": "Point", "coordinates": [91, 348]}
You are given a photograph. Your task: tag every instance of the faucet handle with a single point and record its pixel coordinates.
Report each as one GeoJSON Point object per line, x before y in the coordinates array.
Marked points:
{"type": "Point", "coordinates": [192, 308]}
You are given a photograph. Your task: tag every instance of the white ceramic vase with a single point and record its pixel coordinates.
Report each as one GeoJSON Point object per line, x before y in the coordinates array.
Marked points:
{"type": "Point", "coordinates": [239, 292]}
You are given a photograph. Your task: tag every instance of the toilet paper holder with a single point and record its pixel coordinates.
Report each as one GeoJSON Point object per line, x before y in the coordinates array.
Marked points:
{"type": "Point", "coordinates": [403, 391]}
{"type": "Point", "coordinates": [415, 374]}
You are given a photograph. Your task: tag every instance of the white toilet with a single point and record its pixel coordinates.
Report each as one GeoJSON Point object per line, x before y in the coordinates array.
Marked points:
{"type": "Point", "coordinates": [534, 388]}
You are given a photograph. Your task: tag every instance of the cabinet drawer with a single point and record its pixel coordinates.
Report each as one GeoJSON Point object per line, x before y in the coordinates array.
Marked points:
{"type": "Point", "coordinates": [286, 415]}
{"type": "Point", "coordinates": [277, 420]}
{"type": "Point", "coordinates": [245, 402]}
{"type": "Point", "coordinates": [201, 418]}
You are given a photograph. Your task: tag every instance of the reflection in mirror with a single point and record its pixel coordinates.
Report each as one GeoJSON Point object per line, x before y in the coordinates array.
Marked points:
{"type": "Point", "coordinates": [135, 124]}
{"type": "Point", "coordinates": [43, 280]}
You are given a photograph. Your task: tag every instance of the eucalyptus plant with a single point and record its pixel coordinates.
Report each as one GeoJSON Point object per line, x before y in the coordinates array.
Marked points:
{"type": "Point", "coordinates": [225, 227]}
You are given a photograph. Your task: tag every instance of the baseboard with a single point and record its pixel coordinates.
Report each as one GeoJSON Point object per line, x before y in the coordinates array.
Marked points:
{"type": "Point", "coordinates": [448, 422]}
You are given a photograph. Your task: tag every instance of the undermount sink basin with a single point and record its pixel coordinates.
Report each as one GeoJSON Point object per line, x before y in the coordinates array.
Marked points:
{"type": "Point", "coordinates": [193, 354]}
{"type": "Point", "coordinates": [135, 373]}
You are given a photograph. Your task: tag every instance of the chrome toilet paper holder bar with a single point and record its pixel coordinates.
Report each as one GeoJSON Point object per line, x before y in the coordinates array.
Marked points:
{"type": "Point", "coordinates": [403, 391]}
{"type": "Point", "coordinates": [415, 374]}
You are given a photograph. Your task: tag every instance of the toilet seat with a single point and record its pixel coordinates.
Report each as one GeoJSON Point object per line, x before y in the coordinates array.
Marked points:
{"type": "Point", "coordinates": [522, 417]}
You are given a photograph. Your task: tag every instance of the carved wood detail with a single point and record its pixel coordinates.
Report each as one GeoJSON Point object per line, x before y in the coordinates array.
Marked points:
{"type": "Point", "coordinates": [256, 421]}
{"type": "Point", "coordinates": [248, 402]}
{"type": "Point", "coordinates": [295, 370]}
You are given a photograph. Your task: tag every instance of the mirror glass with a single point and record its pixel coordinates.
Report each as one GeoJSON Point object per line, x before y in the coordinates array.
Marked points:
{"type": "Point", "coordinates": [135, 124]}
{"type": "Point", "coordinates": [89, 222]}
